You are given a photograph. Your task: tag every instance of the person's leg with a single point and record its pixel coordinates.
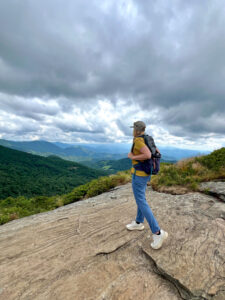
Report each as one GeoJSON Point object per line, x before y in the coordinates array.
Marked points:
{"type": "Point", "coordinates": [139, 216]}
{"type": "Point", "coordinates": [139, 184]}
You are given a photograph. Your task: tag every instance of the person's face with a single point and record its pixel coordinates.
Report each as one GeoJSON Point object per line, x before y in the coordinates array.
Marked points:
{"type": "Point", "coordinates": [136, 133]}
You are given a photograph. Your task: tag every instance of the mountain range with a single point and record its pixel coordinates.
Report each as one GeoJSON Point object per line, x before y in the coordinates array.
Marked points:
{"type": "Point", "coordinates": [112, 166]}
{"type": "Point", "coordinates": [92, 152]}
{"type": "Point", "coordinates": [69, 152]}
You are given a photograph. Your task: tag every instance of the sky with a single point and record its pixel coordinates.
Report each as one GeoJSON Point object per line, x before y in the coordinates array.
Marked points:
{"type": "Point", "coordinates": [84, 71]}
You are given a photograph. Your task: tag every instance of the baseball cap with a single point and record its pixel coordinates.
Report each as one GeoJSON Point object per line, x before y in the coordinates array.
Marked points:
{"type": "Point", "coordinates": [139, 125]}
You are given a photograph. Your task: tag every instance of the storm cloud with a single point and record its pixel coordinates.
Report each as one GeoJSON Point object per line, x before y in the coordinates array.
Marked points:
{"type": "Point", "coordinates": [92, 68]}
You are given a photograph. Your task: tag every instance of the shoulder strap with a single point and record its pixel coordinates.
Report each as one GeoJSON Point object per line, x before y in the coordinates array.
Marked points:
{"type": "Point", "coordinates": [149, 141]}
{"type": "Point", "coordinates": [132, 148]}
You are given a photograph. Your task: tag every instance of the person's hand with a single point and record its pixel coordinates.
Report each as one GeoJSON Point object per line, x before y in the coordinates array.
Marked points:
{"type": "Point", "coordinates": [157, 150]}
{"type": "Point", "coordinates": [130, 155]}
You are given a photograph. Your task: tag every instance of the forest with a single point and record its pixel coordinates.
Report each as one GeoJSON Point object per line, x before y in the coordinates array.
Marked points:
{"type": "Point", "coordinates": [24, 174]}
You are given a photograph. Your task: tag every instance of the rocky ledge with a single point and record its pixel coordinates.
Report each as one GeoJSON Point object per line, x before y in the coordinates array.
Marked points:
{"type": "Point", "coordinates": [214, 188]}
{"type": "Point", "coordinates": [84, 251]}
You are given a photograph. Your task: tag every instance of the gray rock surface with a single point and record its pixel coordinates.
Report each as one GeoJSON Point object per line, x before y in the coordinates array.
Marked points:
{"type": "Point", "coordinates": [84, 251]}
{"type": "Point", "coordinates": [214, 188]}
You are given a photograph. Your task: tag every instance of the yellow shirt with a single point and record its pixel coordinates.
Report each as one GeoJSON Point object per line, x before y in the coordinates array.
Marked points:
{"type": "Point", "coordinates": [138, 144]}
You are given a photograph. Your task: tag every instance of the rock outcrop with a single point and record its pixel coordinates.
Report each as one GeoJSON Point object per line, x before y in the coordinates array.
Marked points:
{"type": "Point", "coordinates": [214, 188]}
{"type": "Point", "coordinates": [84, 251]}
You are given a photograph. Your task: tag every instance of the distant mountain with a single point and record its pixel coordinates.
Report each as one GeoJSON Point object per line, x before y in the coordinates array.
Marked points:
{"type": "Point", "coordinates": [65, 151]}
{"type": "Point", "coordinates": [92, 152]}
{"type": "Point", "coordinates": [27, 174]}
{"type": "Point", "coordinates": [172, 153]}
{"type": "Point", "coordinates": [63, 145]}
{"type": "Point", "coordinates": [113, 166]}
{"type": "Point", "coordinates": [125, 148]}
{"type": "Point", "coordinates": [42, 147]}
{"type": "Point", "coordinates": [168, 153]}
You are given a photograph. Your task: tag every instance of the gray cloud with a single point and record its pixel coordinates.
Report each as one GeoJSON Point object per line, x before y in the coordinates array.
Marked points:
{"type": "Point", "coordinates": [34, 108]}
{"type": "Point", "coordinates": [18, 127]}
{"type": "Point", "coordinates": [166, 57]}
{"type": "Point", "coordinates": [74, 127]}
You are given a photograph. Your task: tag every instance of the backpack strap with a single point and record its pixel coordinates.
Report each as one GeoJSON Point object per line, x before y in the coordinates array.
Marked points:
{"type": "Point", "coordinates": [150, 175]}
{"type": "Point", "coordinates": [132, 148]}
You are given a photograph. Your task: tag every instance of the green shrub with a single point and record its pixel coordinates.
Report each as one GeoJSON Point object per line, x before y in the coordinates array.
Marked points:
{"type": "Point", "coordinates": [99, 186]}
{"type": "Point", "coordinates": [4, 219]}
{"type": "Point", "coordinates": [214, 160]}
{"type": "Point", "coordinates": [191, 171]}
{"type": "Point", "coordinates": [77, 194]}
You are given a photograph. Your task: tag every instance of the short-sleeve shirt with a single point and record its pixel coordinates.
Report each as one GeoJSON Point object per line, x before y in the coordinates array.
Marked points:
{"type": "Point", "coordinates": [138, 144]}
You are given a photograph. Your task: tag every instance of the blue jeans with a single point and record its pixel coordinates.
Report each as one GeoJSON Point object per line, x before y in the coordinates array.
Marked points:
{"type": "Point", "coordinates": [139, 184]}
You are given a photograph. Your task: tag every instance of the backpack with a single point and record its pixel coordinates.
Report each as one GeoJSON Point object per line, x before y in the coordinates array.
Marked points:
{"type": "Point", "coordinates": [151, 165]}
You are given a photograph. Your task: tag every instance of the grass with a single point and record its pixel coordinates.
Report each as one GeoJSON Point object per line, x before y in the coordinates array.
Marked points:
{"type": "Point", "coordinates": [185, 175]}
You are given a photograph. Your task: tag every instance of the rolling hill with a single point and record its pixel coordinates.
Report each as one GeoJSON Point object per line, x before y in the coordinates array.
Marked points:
{"type": "Point", "coordinates": [113, 166]}
{"type": "Point", "coordinates": [69, 152]}
{"type": "Point", "coordinates": [27, 174]}
{"type": "Point", "coordinates": [80, 152]}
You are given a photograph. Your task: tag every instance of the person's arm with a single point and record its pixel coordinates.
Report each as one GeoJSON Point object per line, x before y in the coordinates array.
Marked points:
{"type": "Point", "coordinates": [145, 154]}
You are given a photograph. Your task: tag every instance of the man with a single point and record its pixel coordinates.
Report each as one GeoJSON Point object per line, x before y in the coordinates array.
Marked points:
{"type": "Point", "coordinates": [139, 184]}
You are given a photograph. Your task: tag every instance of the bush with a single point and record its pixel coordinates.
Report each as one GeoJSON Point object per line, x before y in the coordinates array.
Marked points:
{"type": "Point", "coordinates": [214, 161]}
{"type": "Point", "coordinates": [4, 219]}
{"type": "Point", "coordinates": [189, 172]}
{"type": "Point", "coordinates": [77, 194]}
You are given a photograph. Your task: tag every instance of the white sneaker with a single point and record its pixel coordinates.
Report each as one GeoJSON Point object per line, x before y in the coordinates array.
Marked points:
{"type": "Point", "coordinates": [135, 226]}
{"type": "Point", "coordinates": [158, 239]}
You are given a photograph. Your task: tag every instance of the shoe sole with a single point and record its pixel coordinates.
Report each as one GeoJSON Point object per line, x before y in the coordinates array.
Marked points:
{"type": "Point", "coordinates": [160, 245]}
{"type": "Point", "coordinates": [141, 228]}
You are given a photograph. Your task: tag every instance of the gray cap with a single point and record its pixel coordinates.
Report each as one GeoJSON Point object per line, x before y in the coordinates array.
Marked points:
{"type": "Point", "coordinates": [139, 125]}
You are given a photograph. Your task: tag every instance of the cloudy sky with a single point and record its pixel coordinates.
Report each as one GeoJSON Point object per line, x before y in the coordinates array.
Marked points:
{"type": "Point", "coordinates": [84, 71]}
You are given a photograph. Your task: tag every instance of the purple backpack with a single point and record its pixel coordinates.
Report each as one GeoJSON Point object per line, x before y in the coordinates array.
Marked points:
{"type": "Point", "coordinates": [152, 165]}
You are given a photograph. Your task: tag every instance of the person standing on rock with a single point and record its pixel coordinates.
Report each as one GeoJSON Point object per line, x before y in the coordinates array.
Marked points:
{"type": "Point", "coordinates": [139, 184]}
